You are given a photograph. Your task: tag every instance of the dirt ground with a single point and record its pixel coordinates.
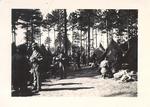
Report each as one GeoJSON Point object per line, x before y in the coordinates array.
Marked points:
{"type": "Point", "coordinates": [87, 82]}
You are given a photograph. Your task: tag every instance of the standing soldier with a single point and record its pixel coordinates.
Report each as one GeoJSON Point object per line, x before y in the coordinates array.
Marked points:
{"type": "Point", "coordinates": [84, 59]}
{"type": "Point", "coordinates": [63, 64]}
{"type": "Point", "coordinates": [35, 61]}
{"type": "Point", "coordinates": [20, 70]}
{"type": "Point", "coordinates": [78, 59]}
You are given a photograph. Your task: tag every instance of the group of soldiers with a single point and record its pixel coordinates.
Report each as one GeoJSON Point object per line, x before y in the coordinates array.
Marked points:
{"type": "Point", "coordinates": [32, 64]}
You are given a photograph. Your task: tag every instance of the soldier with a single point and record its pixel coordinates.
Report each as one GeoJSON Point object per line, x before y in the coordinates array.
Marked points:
{"type": "Point", "coordinates": [63, 64]}
{"type": "Point", "coordinates": [20, 70]}
{"type": "Point", "coordinates": [35, 59]}
{"type": "Point", "coordinates": [78, 59]}
{"type": "Point", "coordinates": [84, 59]}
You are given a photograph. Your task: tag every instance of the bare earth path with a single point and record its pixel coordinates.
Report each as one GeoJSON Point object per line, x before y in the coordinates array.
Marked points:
{"type": "Point", "coordinates": [85, 83]}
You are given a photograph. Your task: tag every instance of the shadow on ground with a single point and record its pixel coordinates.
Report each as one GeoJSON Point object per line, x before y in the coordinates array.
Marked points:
{"type": "Point", "coordinates": [73, 88]}
{"type": "Point", "coordinates": [44, 84]}
{"type": "Point", "coordinates": [25, 94]}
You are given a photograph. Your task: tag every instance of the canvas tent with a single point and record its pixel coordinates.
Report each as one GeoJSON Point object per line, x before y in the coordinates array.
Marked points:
{"type": "Point", "coordinates": [114, 55]}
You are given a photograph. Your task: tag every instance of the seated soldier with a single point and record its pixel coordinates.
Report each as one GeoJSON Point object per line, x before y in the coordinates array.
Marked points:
{"type": "Point", "coordinates": [104, 66]}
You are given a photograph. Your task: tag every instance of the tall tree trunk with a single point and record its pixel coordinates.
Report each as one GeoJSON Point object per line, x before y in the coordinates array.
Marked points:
{"type": "Point", "coordinates": [96, 37]}
{"type": "Point", "coordinates": [107, 26]}
{"type": "Point", "coordinates": [48, 37]}
{"type": "Point", "coordinates": [40, 40]}
{"type": "Point", "coordinates": [27, 36]}
{"type": "Point", "coordinates": [86, 44]}
{"type": "Point", "coordinates": [81, 40]}
{"type": "Point", "coordinates": [92, 38]}
{"type": "Point", "coordinates": [72, 40]}
{"type": "Point", "coordinates": [107, 31]}
{"type": "Point", "coordinates": [54, 40]}
{"type": "Point", "coordinates": [65, 26]}
{"type": "Point", "coordinates": [102, 38]}
{"type": "Point", "coordinates": [89, 45]}
{"type": "Point", "coordinates": [32, 32]}
{"type": "Point", "coordinates": [128, 30]}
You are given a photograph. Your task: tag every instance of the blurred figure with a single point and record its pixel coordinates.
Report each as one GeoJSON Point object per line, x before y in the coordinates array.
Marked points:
{"type": "Point", "coordinates": [78, 59]}
{"type": "Point", "coordinates": [84, 58]}
{"type": "Point", "coordinates": [20, 70]}
{"type": "Point", "coordinates": [104, 68]}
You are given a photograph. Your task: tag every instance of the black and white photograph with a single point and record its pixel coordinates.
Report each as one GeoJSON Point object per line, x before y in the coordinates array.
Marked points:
{"type": "Point", "coordinates": [74, 52]}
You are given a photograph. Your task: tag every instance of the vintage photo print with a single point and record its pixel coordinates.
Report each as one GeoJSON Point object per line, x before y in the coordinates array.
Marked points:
{"type": "Point", "coordinates": [80, 52]}
{"type": "Point", "coordinates": [74, 53]}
